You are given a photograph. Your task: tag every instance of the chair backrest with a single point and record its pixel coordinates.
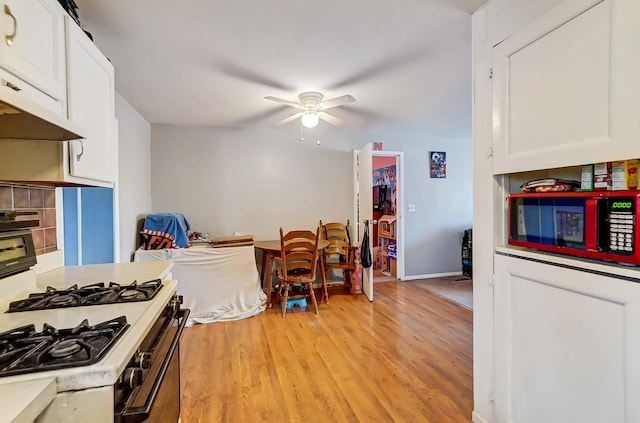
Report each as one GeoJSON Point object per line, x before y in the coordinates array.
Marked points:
{"type": "Point", "coordinates": [299, 250]}
{"type": "Point", "coordinates": [338, 236]}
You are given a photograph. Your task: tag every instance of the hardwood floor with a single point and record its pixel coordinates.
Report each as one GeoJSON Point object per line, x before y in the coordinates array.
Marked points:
{"type": "Point", "coordinates": [406, 357]}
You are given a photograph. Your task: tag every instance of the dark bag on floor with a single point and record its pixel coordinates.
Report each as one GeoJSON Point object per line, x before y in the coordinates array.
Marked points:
{"type": "Point", "coordinates": [365, 250]}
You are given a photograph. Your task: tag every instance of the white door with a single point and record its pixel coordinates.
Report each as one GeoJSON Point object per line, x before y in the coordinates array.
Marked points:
{"type": "Point", "coordinates": [32, 44]}
{"type": "Point", "coordinates": [363, 208]}
{"type": "Point", "coordinates": [91, 105]}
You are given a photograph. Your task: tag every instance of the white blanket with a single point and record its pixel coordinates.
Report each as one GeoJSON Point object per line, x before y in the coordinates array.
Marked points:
{"type": "Point", "coordinates": [217, 284]}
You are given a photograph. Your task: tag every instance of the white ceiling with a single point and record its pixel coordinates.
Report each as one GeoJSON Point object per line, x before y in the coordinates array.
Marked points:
{"type": "Point", "coordinates": [212, 62]}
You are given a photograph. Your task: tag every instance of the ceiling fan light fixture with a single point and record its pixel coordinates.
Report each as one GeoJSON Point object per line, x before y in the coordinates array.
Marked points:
{"type": "Point", "coordinates": [312, 108]}
{"type": "Point", "coordinates": [310, 120]}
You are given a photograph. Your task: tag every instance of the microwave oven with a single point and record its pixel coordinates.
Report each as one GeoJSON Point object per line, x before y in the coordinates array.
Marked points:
{"type": "Point", "coordinates": [17, 252]}
{"type": "Point", "coordinates": [595, 225]}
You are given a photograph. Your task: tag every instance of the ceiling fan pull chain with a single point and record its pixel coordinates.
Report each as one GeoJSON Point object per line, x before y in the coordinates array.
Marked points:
{"type": "Point", "coordinates": [301, 137]}
{"type": "Point", "coordinates": [318, 143]}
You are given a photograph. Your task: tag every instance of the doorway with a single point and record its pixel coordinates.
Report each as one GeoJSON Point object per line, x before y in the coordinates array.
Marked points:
{"type": "Point", "coordinates": [363, 202]}
{"type": "Point", "coordinates": [385, 211]}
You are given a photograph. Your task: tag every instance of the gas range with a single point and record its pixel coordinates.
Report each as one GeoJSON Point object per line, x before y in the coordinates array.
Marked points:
{"type": "Point", "coordinates": [24, 350]}
{"type": "Point", "coordinates": [87, 295]}
{"type": "Point", "coordinates": [84, 348]}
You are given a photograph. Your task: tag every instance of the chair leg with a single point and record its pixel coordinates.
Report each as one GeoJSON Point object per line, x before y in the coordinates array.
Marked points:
{"type": "Point", "coordinates": [278, 294]}
{"type": "Point", "coordinates": [284, 300]}
{"type": "Point", "coordinates": [349, 281]}
{"type": "Point", "coordinates": [345, 279]}
{"type": "Point", "coordinates": [352, 284]}
{"type": "Point", "coordinates": [313, 297]}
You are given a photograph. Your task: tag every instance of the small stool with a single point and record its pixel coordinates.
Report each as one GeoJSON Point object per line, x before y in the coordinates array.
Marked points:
{"type": "Point", "coordinates": [300, 305]}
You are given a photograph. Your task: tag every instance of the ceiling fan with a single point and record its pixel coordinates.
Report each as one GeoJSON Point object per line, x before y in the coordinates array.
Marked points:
{"type": "Point", "coordinates": [312, 108]}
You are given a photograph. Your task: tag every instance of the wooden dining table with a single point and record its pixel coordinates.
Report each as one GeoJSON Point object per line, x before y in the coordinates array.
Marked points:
{"type": "Point", "coordinates": [271, 249]}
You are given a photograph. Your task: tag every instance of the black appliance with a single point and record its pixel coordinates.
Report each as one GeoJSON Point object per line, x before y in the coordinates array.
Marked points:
{"type": "Point", "coordinates": [23, 350]}
{"type": "Point", "coordinates": [467, 253]}
{"type": "Point", "coordinates": [94, 294]}
{"type": "Point", "coordinates": [17, 252]}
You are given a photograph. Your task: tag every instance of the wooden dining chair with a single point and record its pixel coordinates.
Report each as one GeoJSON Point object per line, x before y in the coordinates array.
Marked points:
{"type": "Point", "coordinates": [297, 266]}
{"type": "Point", "coordinates": [339, 255]}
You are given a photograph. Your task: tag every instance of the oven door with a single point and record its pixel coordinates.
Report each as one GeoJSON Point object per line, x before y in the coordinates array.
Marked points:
{"type": "Point", "coordinates": [157, 398]}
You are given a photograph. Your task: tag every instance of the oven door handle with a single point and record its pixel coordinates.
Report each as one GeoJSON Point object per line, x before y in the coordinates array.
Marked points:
{"type": "Point", "coordinates": [140, 414]}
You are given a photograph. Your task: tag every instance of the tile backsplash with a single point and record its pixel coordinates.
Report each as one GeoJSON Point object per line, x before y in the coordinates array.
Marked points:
{"type": "Point", "coordinates": [41, 199]}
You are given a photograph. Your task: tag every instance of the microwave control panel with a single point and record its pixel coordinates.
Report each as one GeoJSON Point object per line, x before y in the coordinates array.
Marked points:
{"type": "Point", "coordinates": [622, 226]}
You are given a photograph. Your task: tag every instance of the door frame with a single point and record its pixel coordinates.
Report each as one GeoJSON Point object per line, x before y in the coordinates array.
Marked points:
{"type": "Point", "coordinates": [400, 202]}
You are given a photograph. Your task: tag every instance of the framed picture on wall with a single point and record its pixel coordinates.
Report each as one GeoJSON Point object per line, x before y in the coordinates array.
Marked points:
{"type": "Point", "coordinates": [438, 164]}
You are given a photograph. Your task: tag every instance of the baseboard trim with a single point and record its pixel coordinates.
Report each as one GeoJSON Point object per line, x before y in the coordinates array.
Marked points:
{"type": "Point", "coordinates": [431, 275]}
{"type": "Point", "coordinates": [476, 418]}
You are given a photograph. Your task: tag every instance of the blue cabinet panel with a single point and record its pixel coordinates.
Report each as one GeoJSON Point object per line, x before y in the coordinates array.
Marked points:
{"type": "Point", "coordinates": [70, 202]}
{"type": "Point", "coordinates": [97, 225]}
{"type": "Point", "coordinates": [88, 226]}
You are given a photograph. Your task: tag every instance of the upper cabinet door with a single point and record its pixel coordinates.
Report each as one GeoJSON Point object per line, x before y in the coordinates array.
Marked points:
{"type": "Point", "coordinates": [565, 88]}
{"type": "Point", "coordinates": [32, 44]}
{"type": "Point", "coordinates": [91, 105]}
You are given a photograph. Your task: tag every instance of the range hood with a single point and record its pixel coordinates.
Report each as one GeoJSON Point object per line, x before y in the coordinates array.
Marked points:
{"type": "Point", "coordinates": [21, 119]}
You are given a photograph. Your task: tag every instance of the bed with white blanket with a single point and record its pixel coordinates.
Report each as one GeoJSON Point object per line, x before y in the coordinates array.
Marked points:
{"type": "Point", "coordinates": [217, 284]}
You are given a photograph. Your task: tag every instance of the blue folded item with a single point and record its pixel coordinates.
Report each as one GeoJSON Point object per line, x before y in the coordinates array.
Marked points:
{"type": "Point", "coordinates": [300, 302]}
{"type": "Point", "coordinates": [165, 230]}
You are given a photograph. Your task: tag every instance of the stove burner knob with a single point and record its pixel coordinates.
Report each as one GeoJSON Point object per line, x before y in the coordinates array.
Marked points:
{"type": "Point", "coordinates": [132, 377]}
{"type": "Point", "coordinates": [142, 360]}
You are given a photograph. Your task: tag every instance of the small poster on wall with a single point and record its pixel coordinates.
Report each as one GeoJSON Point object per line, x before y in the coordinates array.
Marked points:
{"type": "Point", "coordinates": [438, 161]}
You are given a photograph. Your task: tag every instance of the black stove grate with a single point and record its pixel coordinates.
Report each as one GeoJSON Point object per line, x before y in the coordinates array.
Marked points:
{"type": "Point", "coordinates": [94, 294]}
{"type": "Point", "coordinates": [23, 350]}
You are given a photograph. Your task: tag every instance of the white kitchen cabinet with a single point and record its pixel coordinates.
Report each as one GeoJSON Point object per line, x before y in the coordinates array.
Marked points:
{"type": "Point", "coordinates": [555, 339]}
{"type": "Point", "coordinates": [561, 88]}
{"type": "Point", "coordinates": [91, 104]}
{"type": "Point", "coordinates": [568, 344]}
{"type": "Point", "coordinates": [32, 50]}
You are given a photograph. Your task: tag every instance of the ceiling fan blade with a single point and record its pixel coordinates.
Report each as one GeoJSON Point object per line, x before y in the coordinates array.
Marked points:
{"type": "Point", "coordinates": [388, 65]}
{"type": "Point", "coordinates": [287, 102]}
{"type": "Point", "coordinates": [331, 119]}
{"type": "Point", "coordinates": [338, 101]}
{"type": "Point", "coordinates": [290, 118]}
{"type": "Point", "coordinates": [239, 72]}
{"type": "Point", "coordinates": [264, 116]}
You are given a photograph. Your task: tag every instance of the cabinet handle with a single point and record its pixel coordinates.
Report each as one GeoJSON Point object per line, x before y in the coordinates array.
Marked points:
{"type": "Point", "coordinates": [9, 38]}
{"type": "Point", "coordinates": [8, 84]}
{"type": "Point", "coordinates": [81, 151]}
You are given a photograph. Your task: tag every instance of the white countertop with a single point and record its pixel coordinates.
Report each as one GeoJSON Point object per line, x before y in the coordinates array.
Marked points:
{"type": "Point", "coordinates": [122, 273]}
{"type": "Point", "coordinates": [595, 266]}
{"type": "Point", "coordinates": [22, 402]}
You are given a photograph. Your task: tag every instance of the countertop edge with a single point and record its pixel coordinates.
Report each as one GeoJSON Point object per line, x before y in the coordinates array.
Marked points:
{"type": "Point", "coordinates": [24, 401]}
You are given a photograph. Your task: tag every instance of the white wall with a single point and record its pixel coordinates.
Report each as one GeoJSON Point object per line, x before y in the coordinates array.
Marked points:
{"type": "Point", "coordinates": [433, 233]}
{"type": "Point", "coordinates": [254, 181]}
{"type": "Point", "coordinates": [134, 173]}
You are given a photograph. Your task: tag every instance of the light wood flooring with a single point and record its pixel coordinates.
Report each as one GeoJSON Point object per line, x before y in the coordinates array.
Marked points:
{"type": "Point", "coordinates": [406, 357]}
